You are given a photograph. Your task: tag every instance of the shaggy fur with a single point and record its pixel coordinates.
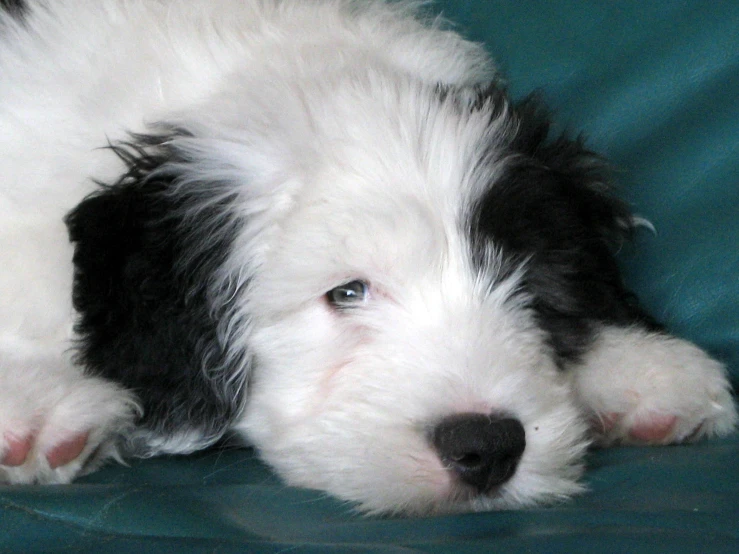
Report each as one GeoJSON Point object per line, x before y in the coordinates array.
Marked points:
{"type": "Point", "coordinates": [324, 227]}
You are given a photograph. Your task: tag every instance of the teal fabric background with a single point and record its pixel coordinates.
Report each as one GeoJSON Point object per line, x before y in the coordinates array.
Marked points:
{"type": "Point", "coordinates": [655, 85]}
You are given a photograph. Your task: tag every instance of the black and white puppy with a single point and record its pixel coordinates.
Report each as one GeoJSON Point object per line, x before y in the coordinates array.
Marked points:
{"type": "Point", "coordinates": [324, 227]}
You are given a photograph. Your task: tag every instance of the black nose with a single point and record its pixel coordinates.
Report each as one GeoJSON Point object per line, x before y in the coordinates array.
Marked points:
{"type": "Point", "coordinates": [482, 450]}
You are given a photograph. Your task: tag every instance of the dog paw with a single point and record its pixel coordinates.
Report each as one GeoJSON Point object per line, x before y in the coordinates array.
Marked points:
{"type": "Point", "coordinates": [647, 388]}
{"type": "Point", "coordinates": [54, 428]}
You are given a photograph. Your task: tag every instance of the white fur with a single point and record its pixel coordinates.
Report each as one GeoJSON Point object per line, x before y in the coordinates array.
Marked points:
{"type": "Point", "coordinates": [319, 113]}
{"type": "Point", "coordinates": [656, 376]}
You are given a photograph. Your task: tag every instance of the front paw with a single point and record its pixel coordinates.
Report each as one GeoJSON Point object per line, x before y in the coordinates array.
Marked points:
{"type": "Point", "coordinates": [55, 429]}
{"type": "Point", "coordinates": [649, 388]}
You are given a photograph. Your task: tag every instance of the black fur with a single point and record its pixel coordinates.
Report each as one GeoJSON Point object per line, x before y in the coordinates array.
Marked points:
{"type": "Point", "coordinates": [148, 310]}
{"type": "Point", "coordinates": [16, 8]}
{"type": "Point", "coordinates": [553, 209]}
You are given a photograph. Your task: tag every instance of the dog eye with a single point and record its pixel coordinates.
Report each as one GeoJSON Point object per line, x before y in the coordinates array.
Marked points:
{"type": "Point", "coordinates": [348, 294]}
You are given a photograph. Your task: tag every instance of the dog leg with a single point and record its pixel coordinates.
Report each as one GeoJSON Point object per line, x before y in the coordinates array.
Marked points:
{"type": "Point", "coordinates": [642, 387]}
{"type": "Point", "coordinates": [55, 422]}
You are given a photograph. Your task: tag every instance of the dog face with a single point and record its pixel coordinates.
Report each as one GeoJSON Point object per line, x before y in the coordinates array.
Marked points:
{"type": "Point", "coordinates": [365, 289]}
{"type": "Point", "coordinates": [376, 325]}
{"type": "Point", "coordinates": [354, 382]}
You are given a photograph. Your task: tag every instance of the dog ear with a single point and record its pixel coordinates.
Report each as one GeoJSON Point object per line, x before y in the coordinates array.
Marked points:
{"type": "Point", "coordinates": [156, 304]}
{"type": "Point", "coordinates": [554, 211]}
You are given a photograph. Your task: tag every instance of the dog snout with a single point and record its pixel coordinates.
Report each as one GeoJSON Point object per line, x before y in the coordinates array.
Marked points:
{"type": "Point", "coordinates": [482, 450]}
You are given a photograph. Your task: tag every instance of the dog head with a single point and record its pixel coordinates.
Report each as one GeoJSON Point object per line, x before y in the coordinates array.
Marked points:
{"type": "Point", "coordinates": [379, 283]}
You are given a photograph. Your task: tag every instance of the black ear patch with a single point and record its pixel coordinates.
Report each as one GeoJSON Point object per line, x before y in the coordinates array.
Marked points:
{"type": "Point", "coordinates": [150, 312]}
{"type": "Point", "coordinates": [553, 210]}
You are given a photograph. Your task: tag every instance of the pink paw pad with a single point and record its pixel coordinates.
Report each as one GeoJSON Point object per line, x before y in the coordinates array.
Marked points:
{"type": "Point", "coordinates": [655, 429]}
{"type": "Point", "coordinates": [18, 449]}
{"type": "Point", "coordinates": [66, 451]}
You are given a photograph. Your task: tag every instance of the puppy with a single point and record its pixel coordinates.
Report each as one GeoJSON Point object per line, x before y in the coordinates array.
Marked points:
{"type": "Point", "coordinates": [323, 227]}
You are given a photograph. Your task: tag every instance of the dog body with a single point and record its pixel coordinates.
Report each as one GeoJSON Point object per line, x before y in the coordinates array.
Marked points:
{"type": "Point", "coordinates": [324, 227]}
